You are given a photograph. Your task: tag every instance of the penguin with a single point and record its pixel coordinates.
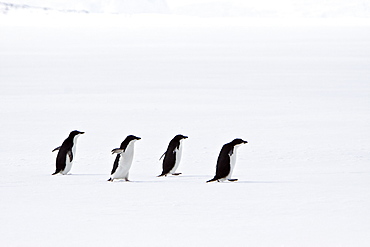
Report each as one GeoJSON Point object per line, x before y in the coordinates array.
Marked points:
{"type": "Point", "coordinates": [66, 153]}
{"type": "Point", "coordinates": [172, 156]}
{"type": "Point", "coordinates": [226, 161]}
{"type": "Point", "coordinates": [123, 161]}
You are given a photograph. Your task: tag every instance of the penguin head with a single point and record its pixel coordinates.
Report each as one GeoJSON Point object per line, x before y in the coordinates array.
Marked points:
{"type": "Point", "coordinates": [237, 142]}
{"type": "Point", "coordinates": [75, 133]}
{"type": "Point", "coordinates": [129, 138]}
{"type": "Point", "coordinates": [180, 137]}
{"type": "Point", "coordinates": [132, 138]}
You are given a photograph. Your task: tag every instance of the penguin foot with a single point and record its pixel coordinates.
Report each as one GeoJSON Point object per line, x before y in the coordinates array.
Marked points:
{"type": "Point", "coordinates": [110, 180]}
{"type": "Point", "coordinates": [176, 174]}
{"type": "Point", "coordinates": [233, 179]}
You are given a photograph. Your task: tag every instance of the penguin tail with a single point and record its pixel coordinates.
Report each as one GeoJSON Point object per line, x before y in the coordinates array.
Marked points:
{"type": "Point", "coordinates": [163, 174]}
{"type": "Point", "coordinates": [213, 179]}
{"type": "Point", "coordinates": [56, 172]}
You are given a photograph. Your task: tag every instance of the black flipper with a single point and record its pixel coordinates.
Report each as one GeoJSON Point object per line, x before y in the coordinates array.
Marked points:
{"type": "Point", "coordinates": [55, 149]}
{"type": "Point", "coordinates": [117, 151]}
{"type": "Point", "coordinates": [115, 164]}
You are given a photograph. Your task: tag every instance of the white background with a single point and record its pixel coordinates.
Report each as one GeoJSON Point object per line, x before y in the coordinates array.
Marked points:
{"type": "Point", "coordinates": [297, 92]}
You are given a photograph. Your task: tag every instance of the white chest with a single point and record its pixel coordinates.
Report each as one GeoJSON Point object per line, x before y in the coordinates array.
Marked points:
{"type": "Point", "coordinates": [232, 163]}
{"type": "Point", "coordinates": [127, 156]}
{"type": "Point", "coordinates": [125, 162]}
{"type": "Point", "coordinates": [178, 153]}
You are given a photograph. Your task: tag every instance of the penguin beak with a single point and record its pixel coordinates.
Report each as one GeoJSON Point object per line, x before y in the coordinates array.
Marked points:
{"type": "Point", "coordinates": [185, 137]}
{"type": "Point", "coordinates": [138, 138]}
{"type": "Point", "coordinates": [245, 142]}
{"type": "Point", "coordinates": [82, 132]}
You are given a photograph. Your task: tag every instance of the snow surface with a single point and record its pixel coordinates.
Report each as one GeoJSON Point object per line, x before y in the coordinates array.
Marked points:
{"type": "Point", "coordinates": [298, 95]}
{"type": "Point", "coordinates": [204, 8]}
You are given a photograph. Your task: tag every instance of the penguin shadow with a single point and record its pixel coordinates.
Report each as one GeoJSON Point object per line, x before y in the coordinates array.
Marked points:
{"type": "Point", "coordinates": [169, 179]}
{"type": "Point", "coordinates": [144, 181]}
{"type": "Point", "coordinates": [263, 182]}
{"type": "Point", "coordinates": [138, 181]}
{"type": "Point", "coordinates": [196, 176]}
{"type": "Point", "coordinates": [159, 180]}
{"type": "Point", "coordinates": [84, 174]}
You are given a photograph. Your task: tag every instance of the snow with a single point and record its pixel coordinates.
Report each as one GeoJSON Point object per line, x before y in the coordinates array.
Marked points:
{"type": "Point", "coordinates": [203, 8]}
{"type": "Point", "coordinates": [298, 94]}
{"type": "Point", "coordinates": [98, 6]}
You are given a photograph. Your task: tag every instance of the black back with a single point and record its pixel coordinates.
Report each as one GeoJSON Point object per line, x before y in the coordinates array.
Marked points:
{"type": "Point", "coordinates": [123, 146]}
{"type": "Point", "coordinates": [170, 154]}
{"type": "Point", "coordinates": [223, 161]}
{"type": "Point", "coordinates": [64, 150]}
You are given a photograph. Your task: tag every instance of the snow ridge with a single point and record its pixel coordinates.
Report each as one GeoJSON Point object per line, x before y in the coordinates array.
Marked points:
{"type": "Point", "coordinates": [231, 8]}
{"type": "Point", "coordinates": [302, 8]}
{"type": "Point", "coordinates": [5, 8]}
{"type": "Point", "coordinates": [111, 7]}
